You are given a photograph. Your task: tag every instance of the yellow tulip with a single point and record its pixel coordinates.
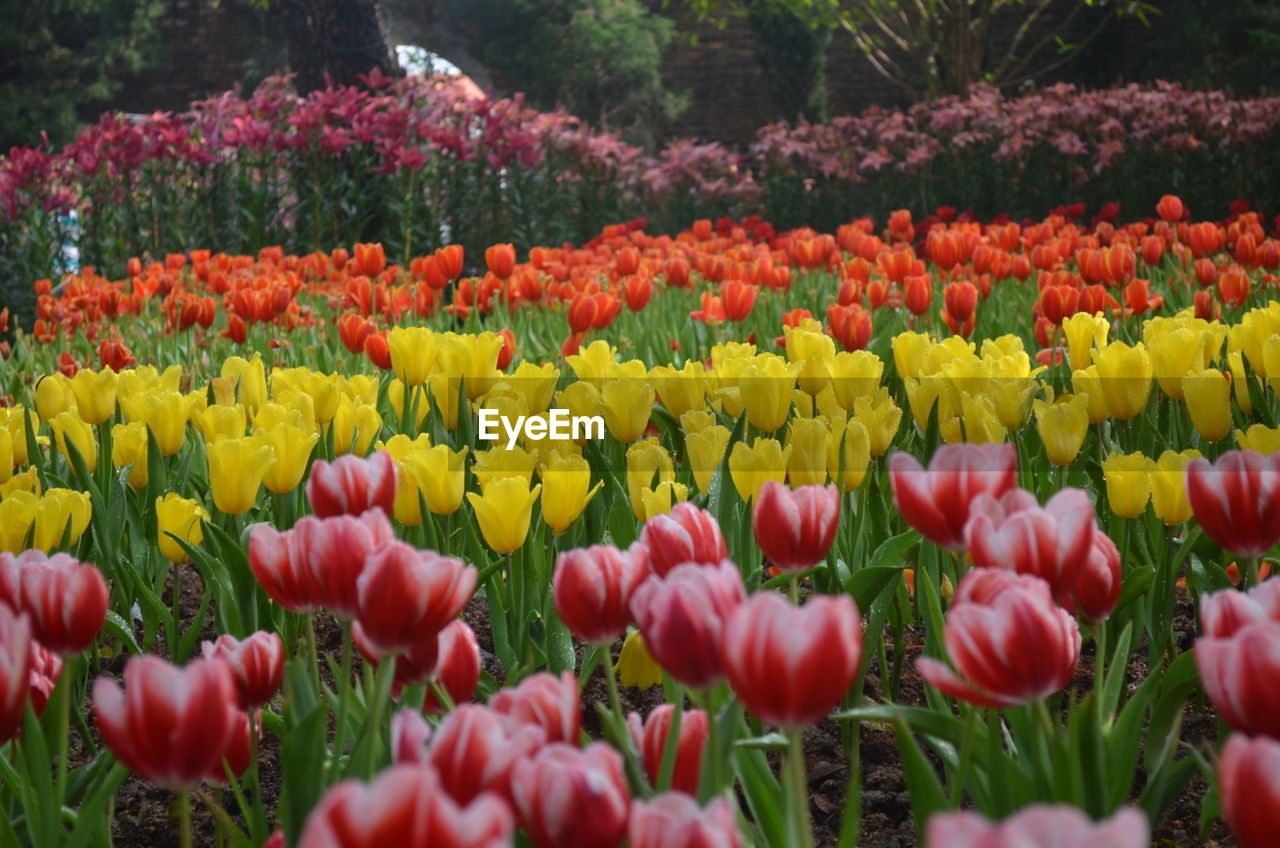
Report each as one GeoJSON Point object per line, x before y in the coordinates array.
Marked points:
{"type": "Point", "coordinates": [406, 508]}
{"type": "Point", "coordinates": [537, 383]}
{"type": "Point", "coordinates": [881, 417]}
{"type": "Point", "coordinates": [7, 461]}
{"type": "Point", "coordinates": [751, 467]}
{"type": "Point", "coordinates": [1169, 486]}
{"type": "Point", "coordinates": [129, 447]}
{"type": "Point", "coordinates": [504, 511]}
{"type": "Point", "coordinates": [636, 667]}
{"type": "Point", "coordinates": [413, 353]}
{"type": "Point", "coordinates": [27, 481]}
{"type": "Point", "coordinates": [697, 421]}
{"type": "Point", "coordinates": [1251, 334]}
{"type": "Point", "coordinates": [1271, 358]}
{"type": "Point", "coordinates": [419, 401]}
{"type": "Point", "coordinates": [857, 452]}
{"type": "Point", "coordinates": [1062, 425]}
{"type": "Point", "coordinates": [814, 354]}
{"type": "Point", "coordinates": [1240, 382]}
{"type": "Point", "coordinates": [1084, 334]}
{"type": "Point", "coordinates": [498, 462]}
{"type": "Point", "coordinates": [981, 423]}
{"type": "Point", "coordinates": [145, 379]}
{"type": "Point", "coordinates": [444, 396]}
{"type": "Point", "coordinates": [854, 375]}
{"type": "Point", "coordinates": [909, 351]}
{"type": "Point", "coordinates": [69, 425]}
{"type": "Point", "coordinates": [1086, 384]}
{"type": "Point", "coordinates": [215, 421]}
{"type": "Point", "coordinates": [923, 394]}
{"type": "Point", "coordinates": [682, 390]}
{"type": "Point", "coordinates": [95, 393]}
{"type": "Point", "coordinates": [54, 395]}
{"type": "Point", "coordinates": [594, 363]}
{"type": "Point", "coordinates": [1208, 397]}
{"type": "Point", "coordinates": [250, 378]}
{"type": "Point", "coordinates": [61, 519]}
{"type": "Point", "coordinates": [182, 517]}
{"type": "Point", "coordinates": [326, 393]}
{"type": "Point", "coordinates": [471, 357]}
{"type": "Point", "coordinates": [582, 399]}
{"type": "Point", "coordinates": [627, 406]}
{"type": "Point", "coordinates": [566, 490]}
{"type": "Point", "coordinates": [660, 499]}
{"type": "Point", "coordinates": [1128, 478]}
{"type": "Point", "coordinates": [648, 464]}
{"type": "Point", "coordinates": [236, 469]}
{"type": "Point", "coordinates": [17, 515]}
{"type": "Point", "coordinates": [292, 447]}
{"type": "Point", "coordinates": [807, 443]}
{"type": "Point", "coordinates": [166, 413]}
{"type": "Point", "coordinates": [15, 419]}
{"type": "Point", "coordinates": [361, 388]}
{"type": "Point", "coordinates": [273, 414]}
{"type": "Point", "coordinates": [1261, 438]}
{"type": "Point", "coordinates": [224, 390]}
{"type": "Point", "coordinates": [705, 451]}
{"type": "Point", "coordinates": [767, 383]}
{"type": "Point", "coordinates": [1007, 346]}
{"type": "Point", "coordinates": [1125, 375]}
{"type": "Point", "coordinates": [355, 426]}
{"type": "Point", "coordinates": [441, 476]}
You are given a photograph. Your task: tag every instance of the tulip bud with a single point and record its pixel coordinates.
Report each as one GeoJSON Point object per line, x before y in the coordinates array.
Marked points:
{"type": "Point", "coordinates": [1249, 780]}
{"type": "Point", "coordinates": [682, 619]}
{"type": "Point", "coordinates": [1236, 500]}
{"type": "Point", "coordinates": [406, 596]}
{"type": "Point", "coordinates": [673, 820]}
{"type": "Point", "coordinates": [686, 534]}
{"type": "Point", "coordinates": [592, 588]}
{"type": "Point", "coordinates": [1241, 676]}
{"type": "Point", "coordinates": [547, 701]}
{"type": "Point", "coordinates": [475, 748]}
{"type": "Point", "coordinates": [795, 529]}
{"type": "Point", "coordinates": [350, 485]}
{"type": "Point", "coordinates": [650, 739]}
{"type": "Point", "coordinates": [256, 664]}
{"type": "Point", "coordinates": [1038, 825]}
{"type": "Point", "coordinates": [15, 669]}
{"type": "Point", "coordinates": [565, 796]}
{"type": "Point", "coordinates": [937, 501]}
{"type": "Point", "coordinates": [457, 668]}
{"type": "Point", "coordinates": [65, 599]}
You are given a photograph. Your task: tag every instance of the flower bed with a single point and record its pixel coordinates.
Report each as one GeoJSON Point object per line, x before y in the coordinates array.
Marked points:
{"type": "Point", "coordinates": [998, 498]}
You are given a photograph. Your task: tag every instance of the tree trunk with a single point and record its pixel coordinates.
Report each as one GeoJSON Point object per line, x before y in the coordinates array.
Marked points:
{"type": "Point", "coordinates": [336, 41]}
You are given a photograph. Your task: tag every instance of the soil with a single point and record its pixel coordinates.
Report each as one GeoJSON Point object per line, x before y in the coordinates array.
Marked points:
{"type": "Point", "coordinates": [144, 816]}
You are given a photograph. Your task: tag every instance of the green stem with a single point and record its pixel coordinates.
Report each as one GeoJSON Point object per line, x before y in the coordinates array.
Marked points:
{"type": "Point", "coordinates": [1253, 572]}
{"type": "Point", "coordinates": [795, 590]}
{"type": "Point", "coordinates": [381, 694]}
{"type": "Point", "coordinates": [1100, 660]}
{"type": "Point", "coordinates": [615, 702]}
{"type": "Point", "coordinates": [799, 824]}
{"type": "Point", "coordinates": [184, 819]}
{"type": "Point", "coordinates": [70, 669]}
{"type": "Point", "coordinates": [313, 652]}
{"type": "Point", "coordinates": [344, 693]}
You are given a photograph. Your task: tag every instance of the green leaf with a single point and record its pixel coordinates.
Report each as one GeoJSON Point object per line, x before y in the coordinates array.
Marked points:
{"type": "Point", "coordinates": [119, 628]}
{"type": "Point", "coordinates": [927, 795]}
{"type": "Point", "coordinates": [867, 584]}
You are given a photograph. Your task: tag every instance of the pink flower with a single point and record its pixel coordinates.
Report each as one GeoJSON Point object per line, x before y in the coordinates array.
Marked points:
{"type": "Point", "coordinates": [682, 619]}
{"type": "Point", "coordinates": [350, 485]}
{"type": "Point", "coordinates": [547, 701]}
{"type": "Point", "coordinates": [686, 534]}
{"type": "Point", "coordinates": [1241, 676]}
{"type": "Point", "coordinates": [1249, 777]}
{"type": "Point", "coordinates": [571, 798]}
{"type": "Point", "coordinates": [674, 820]}
{"type": "Point", "coordinates": [256, 664]}
{"type": "Point", "coordinates": [795, 528]}
{"type": "Point", "coordinates": [592, 588]}
{"type": "Point", "coordinates": [1038, 826]}
{"type": "Point", "coordinates": [937, 501]}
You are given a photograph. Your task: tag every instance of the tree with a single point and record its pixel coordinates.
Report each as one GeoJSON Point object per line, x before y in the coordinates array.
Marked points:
{"type": "Point", "coordinates": [336, 41]}
{"type": "Point", "coordinates": [62, 59]}
{"type": "Point", "coordinates": [931, 47]}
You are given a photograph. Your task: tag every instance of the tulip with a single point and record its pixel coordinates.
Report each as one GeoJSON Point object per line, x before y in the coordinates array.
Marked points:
{"type": "Point", "coordinates": [918, 293]}
{"type": "Point", "coordinates": [236, 469]}
{"type": "Point", "coordinates": [95, 393]}
{"type": "Point", "coordinates": [739, 299]}
{"type": "Point", "coordinates": [1236, 500]}
{"type": "Point", "coordinates": [1241, 676]}
{"type": "Point", "coordinates": [1249, 782]}
{"type": "Point", "coordinates": [570, 798]}
{"type": "Point", "coordinates": [53, 396]}
{"type": "Point", "coordinates": [881, 418]}
{"type": "Point", "coordinates": [648, 464]}
{"type": "Point", "coordinates": [1170, 209]}
{"type": "Point", "coordinates": [413, 666]}
{"type": "Point", "coordinates": [685, 535]}
{"type": "Point", "coordinates": [350, 485]}
{"type": "Point", "coordinates": [751, 467]}
{"type": "Point", "coordinates": [404, 806]}
{"type": "Point", "coordinates": [60, 519]}
{"type": "Point", "coordinates": [1097, 589]}
{"type": "Point", "coordinates": [705, 451]}
{"type": "Point", "coordinates": [650, 739]}
{"type": "Point", "coordinates": [1085, 332]}
{"type": "Point", "coordinates": [1259, 438]}
{"type": "Point", "coordinates": [218, 420]}
{"type": "Point", "coordinates": [682, 390]}
{"type": "Point", "coordinates": [566, 490]}
{"type": "Point", "coordinates": [592, 588]}
{"type": "Point", "coordinates": [767, 382]}
{"type": "Point", "coordinates": [1125, 375]}
{"type": "Point", "coordinates": [937, 501]}
{"type": "Point", "coordinates": [412, 353]}
{"type": "Point", "coordinates": [65, 599]}
{"type": "Point", "coordinates": [1062, 425]}
{"type": "Point", "coordinates": [807, 446]}
{"type": "Point", "coordinates": [636, 667]}
{"type": "Point", "coordinates": [129, 447]}
{"type": "Point", "coordinates": [440, 475]}
{"type": "Point", "coordinates": [15, 669]}
{"type": "Point", "coordinates": [1208, 396]}
{"type": "Point", "coordinates": [500, 259]}
{"type": "Point", "coordinates": [795, 529]}
{"type": "Point", "coordinates": [182, 517]}
{"type": "Point", "coordinates": [473, 358]}
{"type": "Point", "coordinates": [627, 406]}
{"type": "Point", "coordinates": [292, 446]}
{"type": "Point", "coordinates": [682, 619]}
{"type": "Point", "coordinates": [1053, 542]}
{"type": "Point", "coordinates": [1128, 479]}
{"type": "Point", "coordinates": [812, 353]}
{"type": "Point", "coordinates": [406, 596]}
{"type": "Point", "coordinates": [547, 701]}
{"type": "Point", "coordinates": [166, 414]}
{"type": "Point", "coordinates": [1038, 826]}
{"type": "Point", "coordinates": [1169, 486]}
{"type": "Point", "coordinates": [857, 452]}
{"type": "Point", "coordinates": [673, 820]}
{"type": "Point", "coordinates": [474, 750]}
{"type": "Point", "coordinates": [354, 427]}
{"type": "Point", "coordinates": [69, 428]}
{"type": "Point", "coordinates": [256, 664]}
{"type": "Point", "coordinates": [457, 669]}
{"type": "Point", "coordinates": [659, 500]}
{"type": "Point", "coordinates": [504, 511]}
{"type": "Point", "coordinates": [1223, 613]}
{"type": "Point", "coordinates": [46, 670]}
{"type": "Point", "coordinates": [1009, 641]}
{"type": "Point", "coordinates": [251, 378]}
{"type": "Point", "coordinates": [170, 725]}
